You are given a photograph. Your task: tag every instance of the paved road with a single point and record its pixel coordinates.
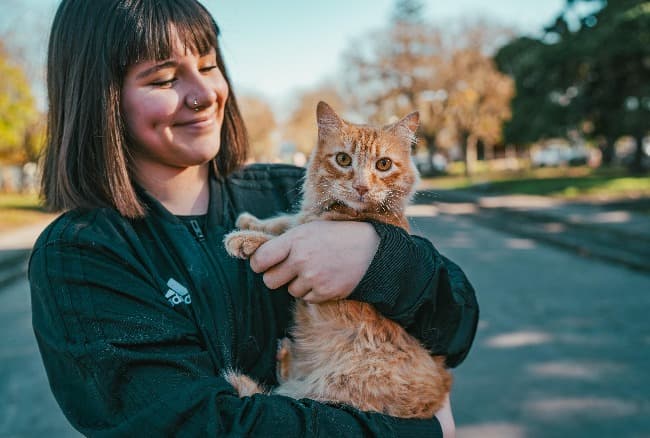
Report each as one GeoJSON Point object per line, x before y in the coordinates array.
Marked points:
{"type": "Point", "coordinates": [562, 349]}
{"type": "Point", "coordinates": [28, 407]}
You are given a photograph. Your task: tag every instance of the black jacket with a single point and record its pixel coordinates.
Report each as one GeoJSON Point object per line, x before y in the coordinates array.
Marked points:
{"type": "Point", "coordinates": [136, 319]}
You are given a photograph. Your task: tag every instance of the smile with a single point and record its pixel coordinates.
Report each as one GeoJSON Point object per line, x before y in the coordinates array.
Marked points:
{"type": "Point", "coordinates": [199, 122]}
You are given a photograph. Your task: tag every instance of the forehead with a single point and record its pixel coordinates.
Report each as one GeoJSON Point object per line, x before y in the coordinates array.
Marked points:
{"type": "Point", "coordinates": [371, 141]}
{"type": "Point", "coordinates": [165, 38]}
{"type": "Point", "coordinates": [177, 43]}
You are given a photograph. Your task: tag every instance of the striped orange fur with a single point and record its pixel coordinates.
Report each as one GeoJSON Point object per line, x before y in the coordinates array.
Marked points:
{"type": "Point", "coordinates": [345, 351]}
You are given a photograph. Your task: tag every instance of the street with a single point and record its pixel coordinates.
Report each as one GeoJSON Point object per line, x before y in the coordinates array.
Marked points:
{"type": "Point", "coordinates": [563, 348]}
{"type": "Point", "coordinates": [28, 406]}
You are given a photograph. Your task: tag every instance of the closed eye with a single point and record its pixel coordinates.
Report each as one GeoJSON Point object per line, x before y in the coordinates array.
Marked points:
{"type": "Point", "coordinates": [164, 83]}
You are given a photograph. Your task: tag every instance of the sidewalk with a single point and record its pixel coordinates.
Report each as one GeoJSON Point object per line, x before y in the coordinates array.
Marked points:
{"type": "Point", "coordinates": [15, 246]}
{"type": "Point", "coordinates": [616, 231]}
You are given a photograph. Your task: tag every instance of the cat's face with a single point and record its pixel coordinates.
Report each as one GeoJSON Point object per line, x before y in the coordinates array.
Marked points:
{"type": "Point", "coordinates": [362, 167]}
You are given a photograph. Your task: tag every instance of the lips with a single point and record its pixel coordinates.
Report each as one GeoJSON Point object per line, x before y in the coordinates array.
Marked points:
{"type": "Point", "coordinates": [199, 122]}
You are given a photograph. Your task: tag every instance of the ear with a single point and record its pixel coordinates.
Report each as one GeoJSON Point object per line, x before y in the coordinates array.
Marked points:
{"type": "Point", "coordinates": [406, 128]}
{"type": "Point", "coordinates": [328, 120]}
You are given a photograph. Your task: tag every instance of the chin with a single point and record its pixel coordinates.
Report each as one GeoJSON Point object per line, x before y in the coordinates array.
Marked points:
{"type": "Point", "coordinates": [205, 152]}
{"type": "Point", "coordinates": [355, 205]}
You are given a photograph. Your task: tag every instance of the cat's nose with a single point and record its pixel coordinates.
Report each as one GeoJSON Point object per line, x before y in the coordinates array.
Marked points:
{"type": "Point", "coordinates": [361, 190]}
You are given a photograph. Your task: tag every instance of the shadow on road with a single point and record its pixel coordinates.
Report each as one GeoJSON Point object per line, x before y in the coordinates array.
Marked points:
{"type": "Point", "coordinates": [562, 343]}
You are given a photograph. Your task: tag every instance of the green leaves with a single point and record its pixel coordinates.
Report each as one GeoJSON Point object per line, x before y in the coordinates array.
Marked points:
{"type": "Point", "coordinates": [598, 73]}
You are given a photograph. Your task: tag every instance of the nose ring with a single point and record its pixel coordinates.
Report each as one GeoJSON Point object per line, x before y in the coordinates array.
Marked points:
{"type": "Point", "coordinates": [195, 104]}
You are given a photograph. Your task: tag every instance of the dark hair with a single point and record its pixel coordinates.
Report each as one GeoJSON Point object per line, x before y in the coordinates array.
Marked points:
{"type": "Point", "coordinates": [87, 161]}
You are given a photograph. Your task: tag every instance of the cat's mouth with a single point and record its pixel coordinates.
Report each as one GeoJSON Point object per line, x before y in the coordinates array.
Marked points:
{"type": "Point", "coordinates": [357, 206]}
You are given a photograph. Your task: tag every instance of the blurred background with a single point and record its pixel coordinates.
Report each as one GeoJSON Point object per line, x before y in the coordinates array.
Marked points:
{"type": "Point", "coordinates": [534, 150]}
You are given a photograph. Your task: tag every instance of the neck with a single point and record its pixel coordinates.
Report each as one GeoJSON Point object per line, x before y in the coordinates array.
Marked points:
{"type": "Point", "coordinates": [183, 191]}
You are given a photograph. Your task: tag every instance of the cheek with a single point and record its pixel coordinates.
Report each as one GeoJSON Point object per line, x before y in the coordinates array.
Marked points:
{"type": "Point", "coordinates": [144, 111]}
{"type": "Point", "coordinates": [377, 185]}
{"type": "Point", "coordinates": [220, 87]}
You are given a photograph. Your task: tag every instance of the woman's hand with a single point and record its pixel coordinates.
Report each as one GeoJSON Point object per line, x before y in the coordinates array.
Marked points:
{"type": "Point", "coordinates": [320, 261]}
{"type": "Point", "coordinates": [446, 419]}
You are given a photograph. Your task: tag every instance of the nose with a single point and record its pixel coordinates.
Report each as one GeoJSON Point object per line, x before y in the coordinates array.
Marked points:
{"type": "Point", "coordinates": [205, 91]}
{"type": "Point", "coordinates": [200, 98]}
{"type": "Point", "coordinates": [361, 189]}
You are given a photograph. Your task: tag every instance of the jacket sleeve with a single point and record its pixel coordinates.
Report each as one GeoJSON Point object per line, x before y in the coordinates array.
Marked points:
{"type": "Point", "coordinates": [122, 362]}
{"type": "Point", "coordinates": [409, 282]}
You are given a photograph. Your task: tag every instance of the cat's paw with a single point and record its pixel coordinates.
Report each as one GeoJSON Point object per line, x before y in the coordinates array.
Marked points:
{"type": "Point", "coordinates": [244, 385]}
{"type": "Point", "coordinates": [243, 243]}
{"type": "Point", "coordinates": [283, 360]}
{"type": "Point", "coordinates": [247, 221]}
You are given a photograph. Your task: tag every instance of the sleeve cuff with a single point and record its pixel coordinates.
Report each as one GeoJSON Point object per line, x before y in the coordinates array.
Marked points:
{"type": "Point", "coordinates": [415, 428]}
{"type": "Point", "coordinates": [397, 275]}
{"type": "Point", "coordinates": [371, 288]}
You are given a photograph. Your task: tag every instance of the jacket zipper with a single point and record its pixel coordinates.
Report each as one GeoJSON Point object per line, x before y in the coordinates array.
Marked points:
{"type": "Point", "coordinates": [196, 228]}
{"type": "Point", "coordinates": [200, 237]}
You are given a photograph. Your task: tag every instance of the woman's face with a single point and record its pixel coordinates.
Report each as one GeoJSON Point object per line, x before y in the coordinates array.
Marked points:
{"type": "Point", "coordinates": [174, 110]}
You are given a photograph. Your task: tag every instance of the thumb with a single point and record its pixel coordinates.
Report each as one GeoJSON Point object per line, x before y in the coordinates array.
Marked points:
{"type": "Point", "coordinates": [271, 253]}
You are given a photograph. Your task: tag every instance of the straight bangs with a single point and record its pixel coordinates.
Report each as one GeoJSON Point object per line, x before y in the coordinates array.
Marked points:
{"type": "Point", "coordinates": [151, 27]}
{"type": "Point", "coordinates": [87, 162]}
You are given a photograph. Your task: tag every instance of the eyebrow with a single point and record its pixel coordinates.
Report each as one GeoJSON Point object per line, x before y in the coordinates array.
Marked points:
{"type": "Point", "coordinates": [155, 68]}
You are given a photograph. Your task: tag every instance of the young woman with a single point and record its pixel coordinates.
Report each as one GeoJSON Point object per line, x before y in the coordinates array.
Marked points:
{"type": "Point", "coordinates": [137, 309]}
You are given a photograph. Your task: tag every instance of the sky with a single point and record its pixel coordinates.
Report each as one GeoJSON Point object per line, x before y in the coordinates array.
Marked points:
{"type": "Point", "coordinates": [273, 48]}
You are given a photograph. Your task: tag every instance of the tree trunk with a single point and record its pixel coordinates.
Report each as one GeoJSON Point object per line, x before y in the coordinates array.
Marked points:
{"type": "Point", "coordinates": [511, 157]}
{"type": "Point", "coordinates": [430, 140]}
{"type": "Point", "coordinates": [637, 163]}
{"type": "Point", "coordinates": [607, 151]}
{"type": "Point", "coordinates": [470, 154]}
{"type": "Point", "coordinates": [489, 151]}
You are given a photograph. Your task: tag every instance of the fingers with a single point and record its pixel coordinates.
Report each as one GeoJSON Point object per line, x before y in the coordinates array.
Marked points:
{"type": "Point", "coordinates": [299, 288]}
{"type": "Point", "coordinates": [270, 254]}
{"type": "Point", "coordinates": [312, 298]}
{"type": "Point", "coordinates": [279, 275]}
{"type": "Point", "coordinates": [446, 419]}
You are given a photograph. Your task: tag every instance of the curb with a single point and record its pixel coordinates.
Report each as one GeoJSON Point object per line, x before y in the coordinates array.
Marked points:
{"type": "Point", "coordinates": [626, 248]}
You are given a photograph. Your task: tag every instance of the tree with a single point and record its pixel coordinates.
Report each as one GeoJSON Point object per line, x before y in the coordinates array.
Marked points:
{"type": "Point", "coordinates": [414, 65]}
{"type": "Point", "coordinates": [592, 77]}
{"type": "Point", "coordinates": [478, 101]}
{"type": "Point", "coordinates": [260, 124]}
{"type": "Point", "coordinates": [18, 113]}
{"type": "Point", "coordinates": [408, 11]}
{"type": "Point", "coordinates": [301, 128]}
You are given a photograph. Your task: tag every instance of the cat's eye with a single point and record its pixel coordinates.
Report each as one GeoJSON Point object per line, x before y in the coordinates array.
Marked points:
{"type": "Point", "coordinates": [343, 159]}
{"type": "Point", "coordinates": [384, 164]}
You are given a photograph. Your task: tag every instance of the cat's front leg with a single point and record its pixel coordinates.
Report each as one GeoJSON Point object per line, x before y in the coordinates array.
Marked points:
{"type": "Point", "coordinates": [244, 385]}
{"type": "Point", "coordinates": [283, 360]}
{"type": "Point", "coordinates": [243, 243]}
{"type": "Point", "coordinates": [275, 225]}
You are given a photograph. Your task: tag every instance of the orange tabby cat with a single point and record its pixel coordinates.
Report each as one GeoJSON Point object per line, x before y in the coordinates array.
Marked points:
{"type": "Point", "coordinates": [345, 351]}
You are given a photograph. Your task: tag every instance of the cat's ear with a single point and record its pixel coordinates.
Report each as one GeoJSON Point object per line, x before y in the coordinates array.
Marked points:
{"type": "Point", "coordinates": [406, 128]}
{"type": "Point", "coordinates": [328, 120]}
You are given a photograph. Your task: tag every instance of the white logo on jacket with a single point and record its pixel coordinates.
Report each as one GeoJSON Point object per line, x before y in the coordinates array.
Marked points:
{"type": "Point", "coordinates": [177, 293]}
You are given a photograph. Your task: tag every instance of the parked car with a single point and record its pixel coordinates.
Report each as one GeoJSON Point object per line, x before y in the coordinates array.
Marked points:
{"type": "Point", "coordinates": [558, 154]}
{"type": "Point", "coordinates": [430, 165]}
